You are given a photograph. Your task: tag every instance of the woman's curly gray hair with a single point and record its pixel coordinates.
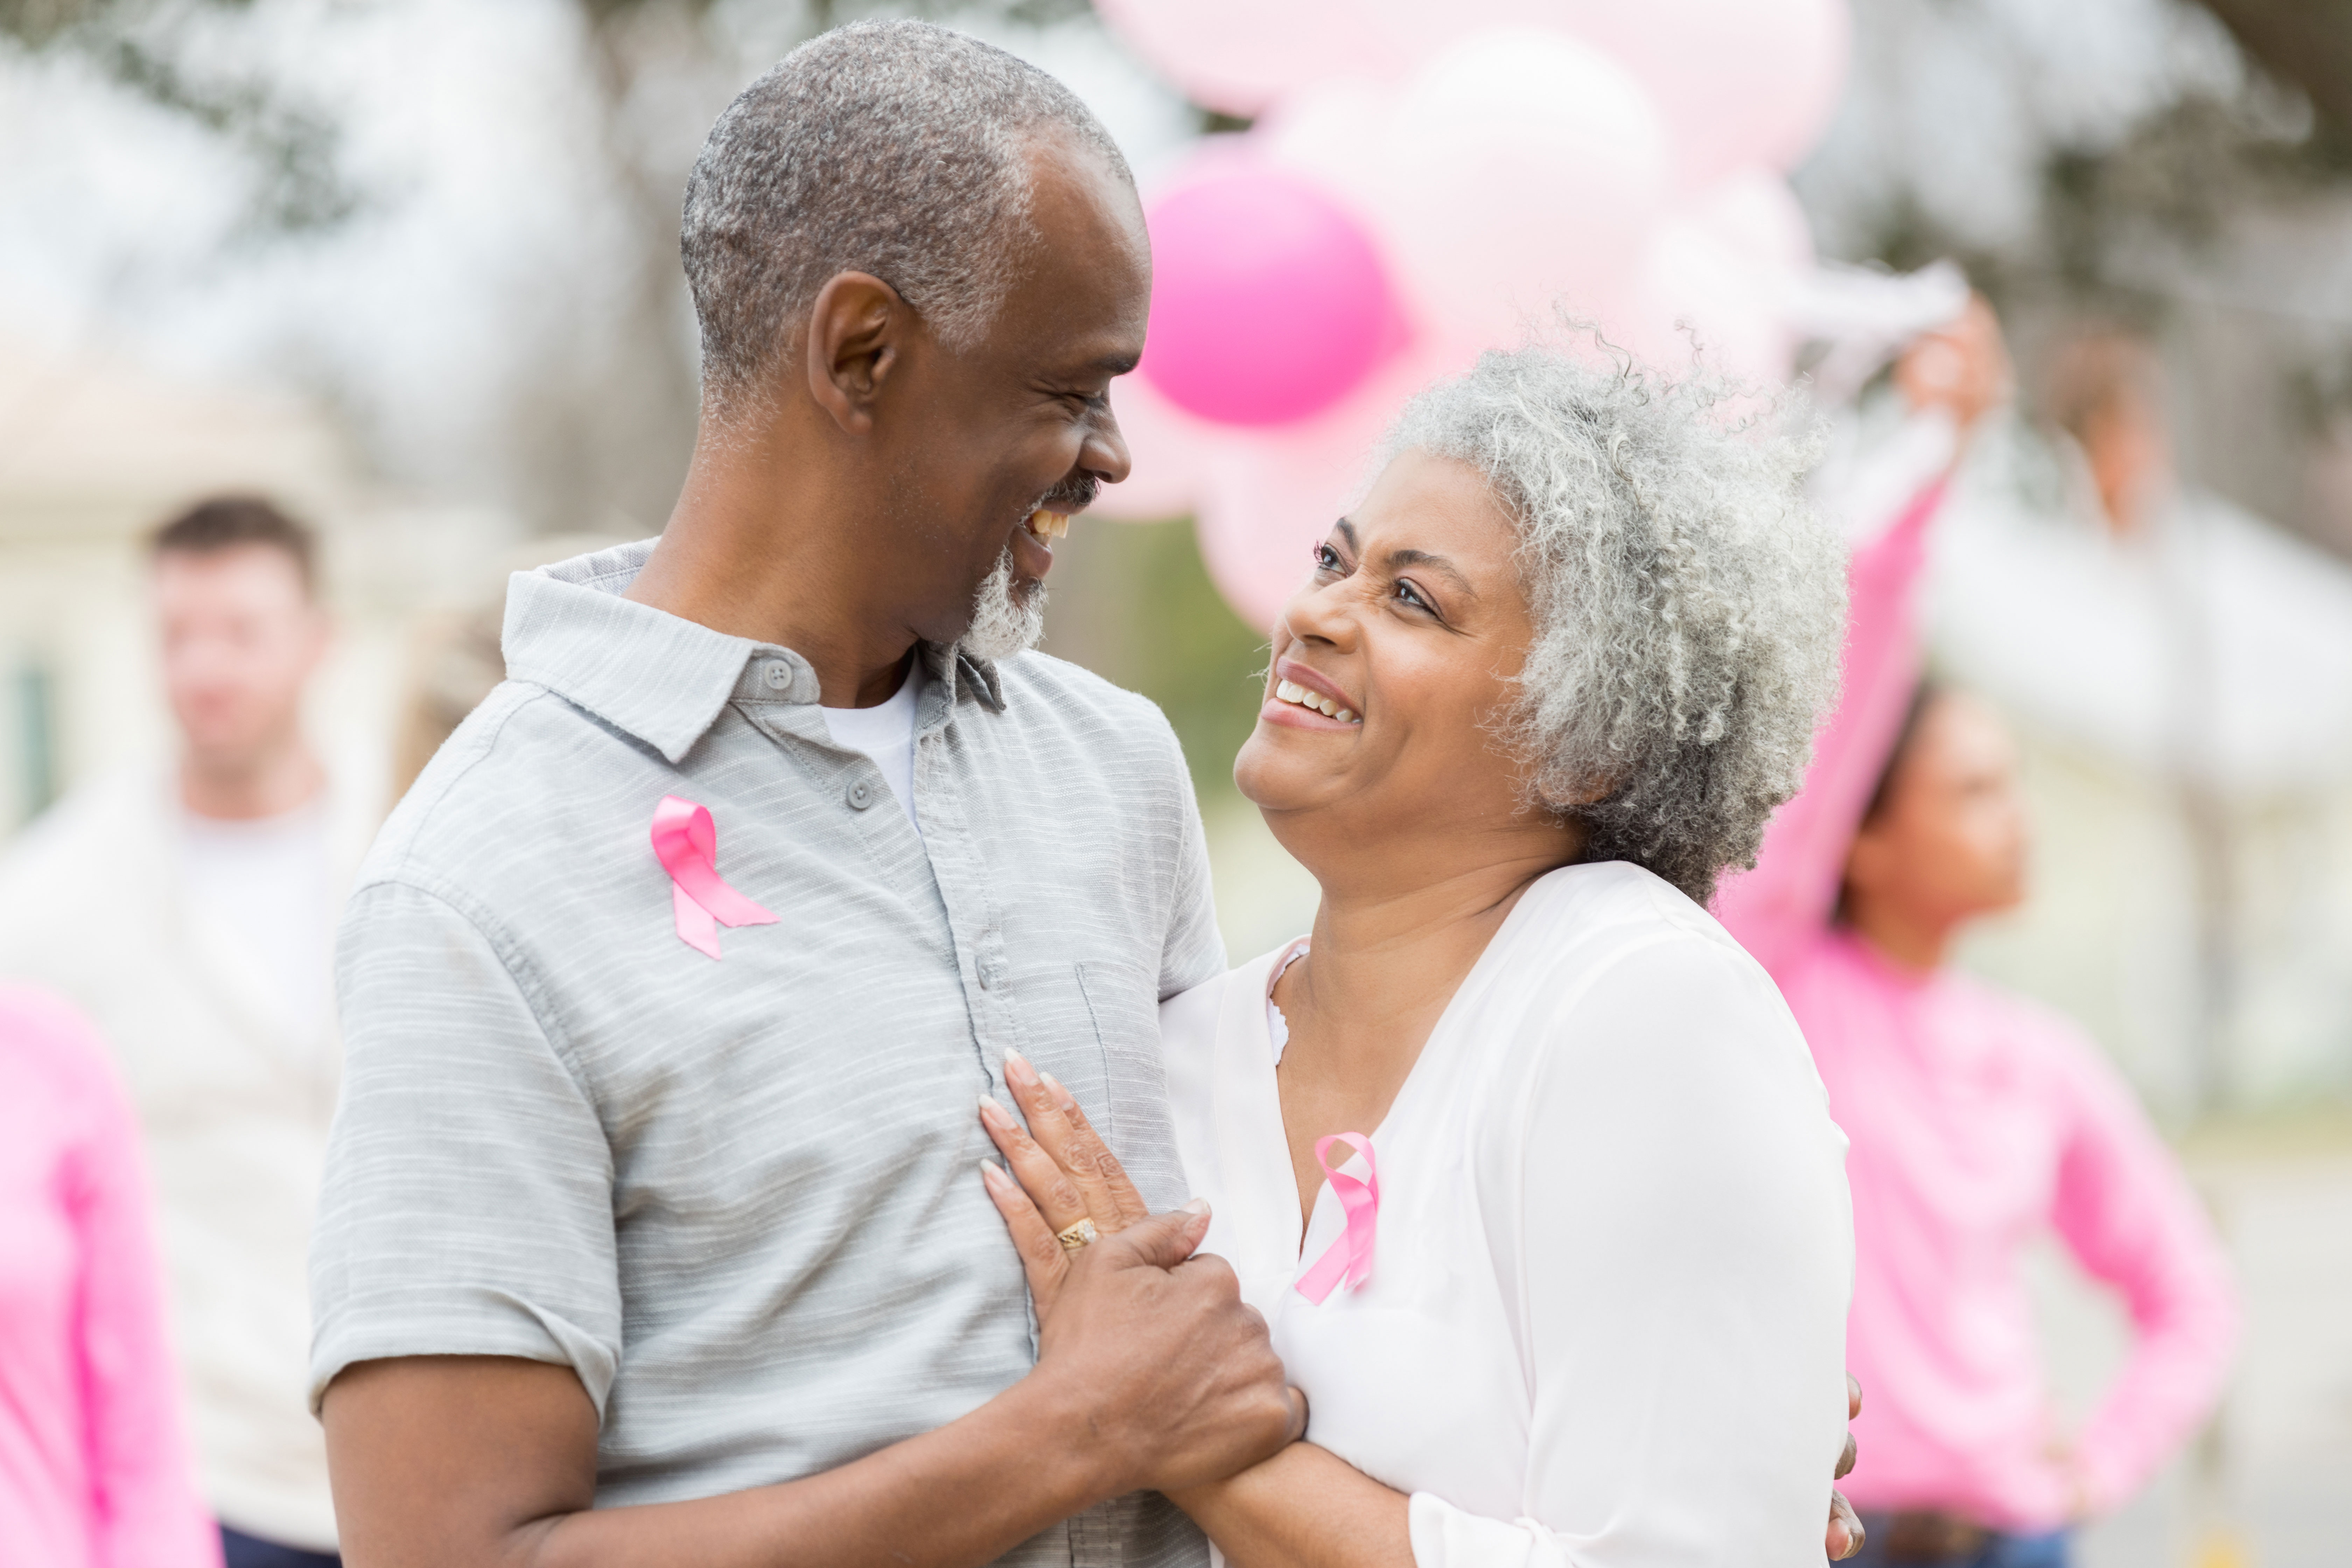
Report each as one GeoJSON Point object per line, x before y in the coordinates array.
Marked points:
{"type": "Point", "coordinates": [1688, 603]}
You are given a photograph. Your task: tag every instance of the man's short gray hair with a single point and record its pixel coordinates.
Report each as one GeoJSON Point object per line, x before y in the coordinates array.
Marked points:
{"type": "Point", "coordinates": [1689, 605]}
{"type": "Point", "coordinates": [894, 148]}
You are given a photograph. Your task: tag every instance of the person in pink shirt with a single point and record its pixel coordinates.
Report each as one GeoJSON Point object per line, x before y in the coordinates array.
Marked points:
{"type": "Point", "coordinates": [1976, 1118]}
{"type": "Point", "coordinates": [94, 1471]}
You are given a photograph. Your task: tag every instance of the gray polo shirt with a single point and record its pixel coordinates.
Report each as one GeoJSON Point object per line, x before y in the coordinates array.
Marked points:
{"type": "Point", "coordinates": [741, 1198]}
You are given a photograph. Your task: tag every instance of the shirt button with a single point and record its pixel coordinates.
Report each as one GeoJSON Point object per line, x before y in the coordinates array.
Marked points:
{"type": "Point", "coordinates": [779, 674]}
{"type": "Point", "coordinates": [861, 794]}
{"type": "Point", "coordinates": [991, 971]}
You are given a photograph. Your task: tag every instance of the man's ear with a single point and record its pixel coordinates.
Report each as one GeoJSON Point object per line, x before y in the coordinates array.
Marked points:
{"type": "Point", "coordinates": [858, 334]}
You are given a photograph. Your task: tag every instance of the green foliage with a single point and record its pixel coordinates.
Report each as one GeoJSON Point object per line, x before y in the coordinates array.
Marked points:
{"type": "Point", "coordinates": [1133, 602]}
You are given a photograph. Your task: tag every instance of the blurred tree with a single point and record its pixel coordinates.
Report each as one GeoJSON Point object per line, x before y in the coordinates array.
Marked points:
{"type": "Point", "coordinates": [2130, 126]}
{"type": "Point", "coordinates": [604, 444]}
{"type": "Point", "coordinates": [290, 142]}
{"type": "Point", "coordinates": [1133, 602]}
{"type": "Point", "coordinates": [2306, 42]}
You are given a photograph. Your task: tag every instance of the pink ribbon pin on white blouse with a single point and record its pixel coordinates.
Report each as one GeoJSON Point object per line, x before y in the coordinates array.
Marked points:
{"type": "Point", "coordinates": [688, 847]}
{"type": "Point", "coordinates": [1351, 1254]}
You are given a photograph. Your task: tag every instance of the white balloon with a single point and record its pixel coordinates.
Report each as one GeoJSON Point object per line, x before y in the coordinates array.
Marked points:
{"type": "Point", "coordinates": [1528, 171]}
{"type": "Point", "coordinates": [1739, 82]}
{"type": "Point", "coordinates": [1722, 269]}
{"type": "Point", "coordinates": [1244, 55]}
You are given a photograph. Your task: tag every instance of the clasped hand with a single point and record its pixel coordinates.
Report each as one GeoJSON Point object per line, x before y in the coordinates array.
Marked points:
{"type": "Point", "coordinates": [1062, 1173]}
{"type": "Point", "coordinates": [1177, 1372]}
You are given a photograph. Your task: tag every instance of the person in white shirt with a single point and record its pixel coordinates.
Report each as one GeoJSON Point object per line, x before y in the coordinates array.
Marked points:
{"type": "Point", "coordinates": [1521, 1156]}
{"type": "Point", "coordinates": [190, 910]}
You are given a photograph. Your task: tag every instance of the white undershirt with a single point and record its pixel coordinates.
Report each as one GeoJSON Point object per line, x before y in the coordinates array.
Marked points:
{"type": "Point", "coordinates": [885, 732]}
{"type": "Point", "coordinates": [266, 884]}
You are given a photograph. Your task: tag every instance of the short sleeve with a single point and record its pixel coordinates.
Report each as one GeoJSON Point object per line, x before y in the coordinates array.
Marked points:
{"type": "Point", "coordinates": [1682, 1255]}
{"type": "Point", "coordinates": [467, 1208]}
{"type": "Point", "coordinates": [1194, 952]}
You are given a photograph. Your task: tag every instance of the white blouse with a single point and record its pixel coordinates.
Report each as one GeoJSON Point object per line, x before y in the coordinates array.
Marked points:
{"type": "Point", "coordinates": [1605, 1320]}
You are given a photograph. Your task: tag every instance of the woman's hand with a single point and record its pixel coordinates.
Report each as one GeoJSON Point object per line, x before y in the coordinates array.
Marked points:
{"type": "Point", "coordinates": [1845, 1529]}
{"type": "Point", "coordinates": [1066, 1173]}
{"type": "Point", "coordinates": [1063, 1173]}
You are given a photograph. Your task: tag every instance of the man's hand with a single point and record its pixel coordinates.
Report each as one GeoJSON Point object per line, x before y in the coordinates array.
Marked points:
{"type": "Point", "coordinates": [1183, 1379]}
{"type": "Point", "coordinates": [1174, 1373]}
{"type": "Point", "coordinates": [1152, 1374]}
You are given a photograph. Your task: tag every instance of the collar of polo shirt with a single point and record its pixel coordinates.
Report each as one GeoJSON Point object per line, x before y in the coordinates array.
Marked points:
{"type": "Point", "coordinates": [657, 675]}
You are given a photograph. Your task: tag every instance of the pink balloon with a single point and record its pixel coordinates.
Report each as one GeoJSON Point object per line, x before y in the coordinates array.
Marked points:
{"type": "Point", "coordinates": [1739, 82]}
{"type": "Point", "coordinates": [1269, 299]}
{"type": "Point", "coordinates": [1264, 508]}
{"type": "Point", "coordinates": [1269, 495]}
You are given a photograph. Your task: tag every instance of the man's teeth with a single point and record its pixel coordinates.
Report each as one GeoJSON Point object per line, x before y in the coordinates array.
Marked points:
{"type": "Point", "coordinates": [1291, 691]}
{"type": "Point", "coordinates": [1049, 524]}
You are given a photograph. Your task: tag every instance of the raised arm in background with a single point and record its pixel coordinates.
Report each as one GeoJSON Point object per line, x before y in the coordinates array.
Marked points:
{"type": "Point", "coordinates": [1777, 910]}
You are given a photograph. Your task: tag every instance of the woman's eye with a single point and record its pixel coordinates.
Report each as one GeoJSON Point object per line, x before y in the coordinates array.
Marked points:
{"type": "Point", "coordinates": [1325, 559]}
{"type": "Point", "coordinates": [1411, 596]}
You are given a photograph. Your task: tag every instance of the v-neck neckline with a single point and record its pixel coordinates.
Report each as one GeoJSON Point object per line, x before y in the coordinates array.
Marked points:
{"type": "Point", "coordinates": [1479, 976]}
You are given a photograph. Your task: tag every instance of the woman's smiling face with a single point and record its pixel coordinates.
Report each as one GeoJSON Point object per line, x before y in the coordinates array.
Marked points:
{"type": "Point", "coordinates": [1411, 627]}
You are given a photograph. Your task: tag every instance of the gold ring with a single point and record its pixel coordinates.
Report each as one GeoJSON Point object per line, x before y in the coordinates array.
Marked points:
{"type": "Point", "coordinates": [1082, 1234]}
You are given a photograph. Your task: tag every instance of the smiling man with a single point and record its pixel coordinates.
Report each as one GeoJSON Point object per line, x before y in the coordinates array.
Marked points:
{"type": "Point", "coordinates": [652, 1230]}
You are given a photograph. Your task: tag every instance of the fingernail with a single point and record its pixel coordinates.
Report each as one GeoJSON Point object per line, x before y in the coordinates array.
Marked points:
{"type": "Point", "coordinates": [1061, 1096]}
{"type": "Point", "coordinates": [1197, 1206]}
{"type": "Point", "coordinates": [996, 1115]}
{"type": "Point", "coordinates": [988, 1174]}
{"type": "Point", "coordinates": [1017, 1068]}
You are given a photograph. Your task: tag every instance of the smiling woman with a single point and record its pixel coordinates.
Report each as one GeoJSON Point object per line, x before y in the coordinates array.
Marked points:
{"type": "Point", "coordinates": [1686, 604]}
{"type": "Point", "coordinates": [1578, 1294]}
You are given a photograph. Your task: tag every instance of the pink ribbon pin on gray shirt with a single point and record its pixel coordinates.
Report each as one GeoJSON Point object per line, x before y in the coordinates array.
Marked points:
{"type": "Point", "coordinates": [688, 847]}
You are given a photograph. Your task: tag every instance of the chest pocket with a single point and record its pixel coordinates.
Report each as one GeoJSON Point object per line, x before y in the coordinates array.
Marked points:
{"type": "Point", "coordinates": [1095, 1025]}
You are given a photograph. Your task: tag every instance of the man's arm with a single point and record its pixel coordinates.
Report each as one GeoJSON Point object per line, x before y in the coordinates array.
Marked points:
{"type": "Point", "coordinates": [467, 1298]}
{"type": "Point", "coordinates": [1151, 1375]}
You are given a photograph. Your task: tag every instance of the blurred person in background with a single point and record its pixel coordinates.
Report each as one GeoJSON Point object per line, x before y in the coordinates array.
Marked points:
{"type": "Point", "coordinates": [1977, 1119]}
{"type": "Point", "coordinates": [2184, 630]}
{"type": "Point", "coordinates": [94, 1467]}
{"type": "Point", "coordinates": [189, 912]}
{"type": "Point", "coordinates": [2185, 668]}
